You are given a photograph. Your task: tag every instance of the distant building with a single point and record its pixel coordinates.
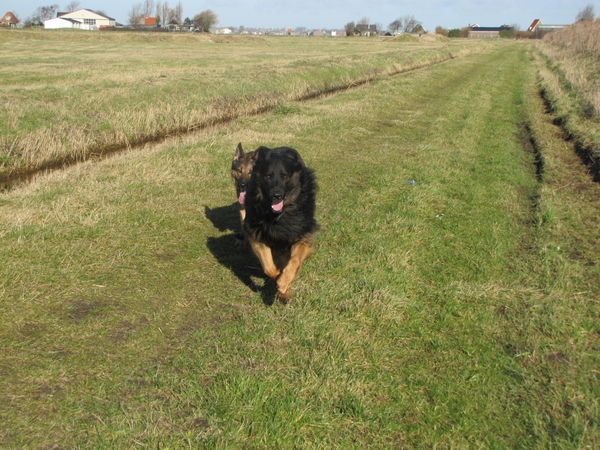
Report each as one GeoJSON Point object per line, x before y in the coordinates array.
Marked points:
{"type": "Point", "coordinates": [150, 21]}
{"type": "Point", "coordinates": [9, 20]}
{"type": "Point", "coordinates": [84, 19]}
{"type": "Point", "coordinates": [366, 30]}
{"type": "Point", "coordinates": [338, 33]}
{"type": "Point", "coordinates": [318, 33]}
{"type": "Point", "coordinates": [487, 32]}
{"type": "Point", "coordinates": [539, 29]}
{"type": "Point", "coordinates": [225, 31]}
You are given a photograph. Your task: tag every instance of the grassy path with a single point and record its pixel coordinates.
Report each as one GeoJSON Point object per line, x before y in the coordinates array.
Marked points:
{"type": "Point", "coordinates": [426, 316]}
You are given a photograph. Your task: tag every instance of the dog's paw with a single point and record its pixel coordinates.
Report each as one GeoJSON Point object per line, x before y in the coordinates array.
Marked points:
{"type": "Point", "coordinates": [284, 297]}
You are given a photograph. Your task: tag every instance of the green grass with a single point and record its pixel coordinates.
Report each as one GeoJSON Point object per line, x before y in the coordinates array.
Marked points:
{"type": "Point", "coordinates": [128, 317]}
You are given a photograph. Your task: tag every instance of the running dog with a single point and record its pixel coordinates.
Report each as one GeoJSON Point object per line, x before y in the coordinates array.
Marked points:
{"type": "Point", "coordinates": [280, 214]}
{"type": "Point", "coordinates": [241, 169]}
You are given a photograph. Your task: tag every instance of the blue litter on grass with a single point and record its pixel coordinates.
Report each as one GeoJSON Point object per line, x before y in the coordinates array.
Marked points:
{"type": "Point", "coordinates": [413, 182]}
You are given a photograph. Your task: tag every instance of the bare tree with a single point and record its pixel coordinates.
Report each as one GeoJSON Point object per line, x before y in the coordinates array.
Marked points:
{"type": "Point", "coordinates": [148, 8]}
{"type": "Point", "coordinates": [586, 13]}
{"type": "Point", "coordinates": [395, 26]}
{"type": "Point", "coordinates": [409, 24]}
{"type": "Point", "coordinates": [135, 16]}
{"type": "Point", "coordinates": [178, 12]}
{"type": "Point", "coordinates": [164, 13]}
{"type": "Point", "coordinates": [44, 13]}
{"type": "Point", "coordinates": [363, 25]}
{"type": "Point", "coordinates": [349, 28]}
{"type": "Point", "coordinates": [72, 6]}
{"type": "Point", "coordinates": [206, 20]}
{"type": "Point", "coordinates": [157, 13]}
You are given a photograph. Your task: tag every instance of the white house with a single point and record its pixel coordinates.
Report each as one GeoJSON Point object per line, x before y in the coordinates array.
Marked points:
{"type": "Point", "coordinates": [60, 22]}
{"type": "Point", "coordinates": [87, 19]}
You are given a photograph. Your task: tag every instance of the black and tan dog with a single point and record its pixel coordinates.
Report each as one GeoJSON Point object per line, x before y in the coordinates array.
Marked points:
{"type": "Point", "coordinates": [241, 169]}
{"type": "Point", "coordinates": [280, 214]}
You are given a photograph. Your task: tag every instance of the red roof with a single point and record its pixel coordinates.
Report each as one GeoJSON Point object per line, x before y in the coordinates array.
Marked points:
{"type": "Point", "coordinates": [8, 18]}
{"type": "Point", "coordinates": [534, 24]}
{"type": "Point", "coordinates": [150, 21]}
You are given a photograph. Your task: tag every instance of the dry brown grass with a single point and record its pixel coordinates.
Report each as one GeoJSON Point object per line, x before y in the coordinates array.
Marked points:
{"type": "Point", "coordinates": [575, 54]}
{"type": "Point", "coordinates": [570, 83]}
{"type": "Point", "coordinates": [68, 96]}
{"type": "Point", "coordinates": [582, 38]}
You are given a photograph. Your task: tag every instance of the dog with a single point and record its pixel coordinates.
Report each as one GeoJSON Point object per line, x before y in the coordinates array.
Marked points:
{"type": "Point", "coordinates": [280, 214]}
{"type": "Point", "coordinates": [241, 169]}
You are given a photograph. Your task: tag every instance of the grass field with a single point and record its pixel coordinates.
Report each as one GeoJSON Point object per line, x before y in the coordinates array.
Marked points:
{"type": "Point", "coordinates": [459, 311]}
{"type": "Point", "coordinates": [68, 96]}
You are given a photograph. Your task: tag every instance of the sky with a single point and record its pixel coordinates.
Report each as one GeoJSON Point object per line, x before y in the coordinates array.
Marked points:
{"type": "Point", "coordinates": [334, 14]}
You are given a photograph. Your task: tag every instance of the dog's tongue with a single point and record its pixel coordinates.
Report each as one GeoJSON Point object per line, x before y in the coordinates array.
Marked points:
{"type": "Point", "coordinates": [242, 198]}
{"type": "Point", "coordinates": [277, 206]}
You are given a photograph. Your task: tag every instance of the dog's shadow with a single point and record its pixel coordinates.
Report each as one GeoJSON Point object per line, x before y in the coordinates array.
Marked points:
{"type": "Point", "coordinates": [235, 254]}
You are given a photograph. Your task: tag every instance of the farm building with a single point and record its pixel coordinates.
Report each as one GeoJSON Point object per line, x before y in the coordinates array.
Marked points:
{"type": "Point", "coordinates": [9, 20]}
{"type": "Point", "coordinates": [86, 18]}
{"type": "Point", "coordinates": [539, 29]}
{"type": "Point", "coordinates": [487, 32]}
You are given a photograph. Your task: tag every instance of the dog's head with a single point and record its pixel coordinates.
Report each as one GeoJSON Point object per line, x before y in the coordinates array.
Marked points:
{"type": "Point", "coordinates": [277, 174]}
{"type": "Point", "coordinates": [241, 171]}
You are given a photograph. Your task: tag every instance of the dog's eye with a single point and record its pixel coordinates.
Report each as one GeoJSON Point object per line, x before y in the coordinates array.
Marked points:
{"type": "Point", "coordinates": [240, 170]}
{"type": "Point", "coordinates": [268, 176]}
{"type": "Point", "coordinates": [285, 177]}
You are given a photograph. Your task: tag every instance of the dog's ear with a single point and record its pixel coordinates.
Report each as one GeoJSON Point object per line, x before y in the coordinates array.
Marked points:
{"type": "Point", "coordinates": [239, 152]}
{"type": "Point", "coordinates": [297, 160]}
{"type": "Point", "coordinates": [260, 154]}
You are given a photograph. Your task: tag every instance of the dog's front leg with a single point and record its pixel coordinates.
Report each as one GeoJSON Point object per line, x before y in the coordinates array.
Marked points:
{"type": "Point", "coordinates": [265, 257]}
{"type": "Point", "coordinates": [300, 252]}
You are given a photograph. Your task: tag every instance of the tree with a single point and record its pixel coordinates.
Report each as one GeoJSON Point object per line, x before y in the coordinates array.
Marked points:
{"type": "Point", "coordinates": [178, 13]}
{"type": "Point", "coordinates": [441, 30]}
{"type": "Point", "coordinates": [363, 25]}
{"type": "Point", "coordinates": [148, 8]}
{"type": "Point", "coordinates": [349, 28]}
{"type": "Point", "coordinates": [135, 16]}
{"type": "Point", "coordinates": [157, 13]}
{"type": "Point", "coordinates": [43, 13]}
{"type": "Point", "coordinates": [586, 13]}
{"type": "Point", "coordinates": [395, 26]}
{"type": "Point", "coordinates": [206, 20]}
{"type": "Point", "coordinates": [405, 24]}
{"type": "Point", "coordinates": [72, 6]}
{"type": "Point", "coordinates": [454, 33]}
{"type": "Point", "coordinates": [409, 24]}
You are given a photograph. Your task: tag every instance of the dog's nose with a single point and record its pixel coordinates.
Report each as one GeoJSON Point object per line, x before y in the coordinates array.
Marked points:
{"type": "Point", "coordinates": [277, 196]}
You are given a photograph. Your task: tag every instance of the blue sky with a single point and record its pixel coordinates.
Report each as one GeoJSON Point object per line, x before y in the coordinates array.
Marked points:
{"type": "Point", "coordinates": [333, 14]}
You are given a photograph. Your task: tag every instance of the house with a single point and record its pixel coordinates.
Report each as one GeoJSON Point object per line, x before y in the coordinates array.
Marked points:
{"type": "Point", "coordinates": [534, 25]}
{"type": "Point", "coordinates": [318, 33]}
{"type": "Point", "coordinates": [225, 31]}
{"type": "Point", "coordinates": [539, 29]}
{"type": "Point", "coordinates": [487, 32]}
{"type": "Point", "coordinates": [87, 19]}
{"type": "Point", "coordinates": [338, 33]}
{"type": "Point", "coordinates": [366, 30]}
{"type": "Point", "coordinates": [61, 22]}
{"type": "Point", "coordinates": [9, 20]}
{"type": "Point", "coordinates": [149, 21]}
